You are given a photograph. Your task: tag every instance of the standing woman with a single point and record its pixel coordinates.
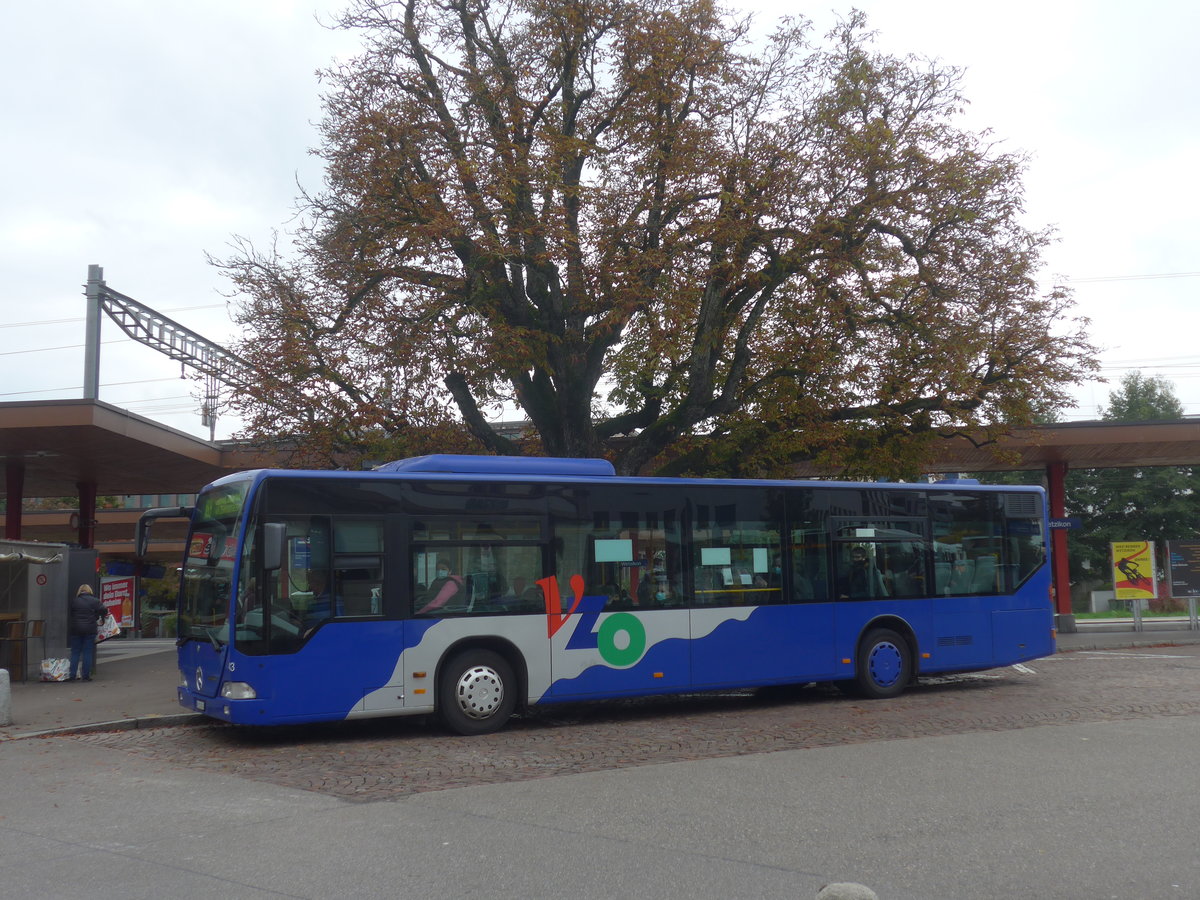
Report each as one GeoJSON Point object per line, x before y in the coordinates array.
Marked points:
{"type": "Point", "coordinates": [86, 613]}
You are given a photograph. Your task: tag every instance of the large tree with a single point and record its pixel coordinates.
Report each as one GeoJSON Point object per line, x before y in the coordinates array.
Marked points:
{"type": "Point", "coordinates": [656, 239]}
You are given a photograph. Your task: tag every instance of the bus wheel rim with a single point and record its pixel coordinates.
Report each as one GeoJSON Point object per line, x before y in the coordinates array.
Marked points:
{"type": "Point", "coordinates": [479, 692]}
{"type": "Point", "coordinates": [885, 663]}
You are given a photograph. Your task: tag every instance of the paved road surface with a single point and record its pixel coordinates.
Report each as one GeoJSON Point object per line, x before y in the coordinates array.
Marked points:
{"type": "Point", "coordinates": [358, 760]}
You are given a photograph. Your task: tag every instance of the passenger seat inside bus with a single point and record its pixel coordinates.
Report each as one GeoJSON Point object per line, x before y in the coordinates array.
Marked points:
{"type": "Point", "coordinates": [985, 575]}
{"type": "Point", "coordinates": [962, 577]}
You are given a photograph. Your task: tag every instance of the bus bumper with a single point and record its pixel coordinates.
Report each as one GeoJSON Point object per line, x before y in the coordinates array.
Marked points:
{"type": "Point", "coordinates": [216, 707]}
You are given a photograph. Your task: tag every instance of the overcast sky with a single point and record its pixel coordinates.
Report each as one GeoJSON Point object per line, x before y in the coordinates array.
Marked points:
{"type": "Point", "coordinates": [141, 135]}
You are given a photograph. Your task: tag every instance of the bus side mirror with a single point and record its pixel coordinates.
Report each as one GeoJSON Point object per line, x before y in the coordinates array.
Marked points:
{"type": "Point", "coordinates": [142, 535]}
{"type": "Point", "coordinates": [274, 540]}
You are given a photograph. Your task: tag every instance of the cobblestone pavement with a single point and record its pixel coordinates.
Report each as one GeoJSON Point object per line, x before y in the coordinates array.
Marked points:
{"type": "Point", "coordinates": [385, 759]}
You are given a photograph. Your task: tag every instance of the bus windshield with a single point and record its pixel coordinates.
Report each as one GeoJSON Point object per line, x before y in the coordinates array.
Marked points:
{"type": "Point", "coordinates": [208, 569]}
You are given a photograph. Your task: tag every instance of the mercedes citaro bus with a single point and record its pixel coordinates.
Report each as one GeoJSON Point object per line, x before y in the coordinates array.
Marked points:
{"type": "Point", "coordinates": [473, 586]}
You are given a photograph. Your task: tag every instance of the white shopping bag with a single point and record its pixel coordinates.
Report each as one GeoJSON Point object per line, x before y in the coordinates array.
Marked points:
{"type": "Point", "coordinates": [56, 669]}
{"type": "Point", "coordinates": [108, 629]}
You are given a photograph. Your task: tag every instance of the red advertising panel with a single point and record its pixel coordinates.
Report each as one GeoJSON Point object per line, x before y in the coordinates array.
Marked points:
{"type": "Point", "coordinates": [117, 596]}
{"type": "Point", "coordinates": [201, 546]}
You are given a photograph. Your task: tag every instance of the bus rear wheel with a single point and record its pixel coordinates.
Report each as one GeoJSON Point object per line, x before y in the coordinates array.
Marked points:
{"type": "Point", "coordinates": [476, 692]}
{"type": "Point", "coordinates": [884, 665]}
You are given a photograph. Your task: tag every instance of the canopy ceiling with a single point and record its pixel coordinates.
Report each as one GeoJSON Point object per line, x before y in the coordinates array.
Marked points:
{"type": "Point", "coordinates": [64, 443]}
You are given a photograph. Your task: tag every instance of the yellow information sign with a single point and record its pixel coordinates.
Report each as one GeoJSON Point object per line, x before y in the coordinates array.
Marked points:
{"type": "Point", "coordinates": [1133, 570]}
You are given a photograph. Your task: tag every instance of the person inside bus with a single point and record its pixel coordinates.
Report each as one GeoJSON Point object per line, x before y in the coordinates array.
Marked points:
{"type": "Point", "coordinates": [666, 595]}
{"type": "Point", "coordinates": [645, 590]}
{"type": "Point", "coordinates": [862, 579]}
{"type": "Point", "coordinates": [618, 597]}
{"type": "Point", "coordinates": [775, 576]}
{"type": "Point", "coordinates": [444, 587]}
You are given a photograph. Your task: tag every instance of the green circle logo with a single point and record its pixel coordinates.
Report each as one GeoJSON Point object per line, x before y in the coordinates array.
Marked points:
{"type": "Point", "coordinates": [634, 644]}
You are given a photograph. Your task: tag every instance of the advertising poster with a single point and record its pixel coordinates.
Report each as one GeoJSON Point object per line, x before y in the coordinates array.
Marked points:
{"type": "Point", "coordinates": [1184, 563]}
{"type": "Point", "coordinates": [117, 596]}
{"type": "Point", "coordinates": [200, 546]}
{"type": "Point", "coordinates": [1133, 570]}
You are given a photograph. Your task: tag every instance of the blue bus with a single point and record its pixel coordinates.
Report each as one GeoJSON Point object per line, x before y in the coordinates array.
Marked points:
{"type": "Point", "coordinates": [473, 586]}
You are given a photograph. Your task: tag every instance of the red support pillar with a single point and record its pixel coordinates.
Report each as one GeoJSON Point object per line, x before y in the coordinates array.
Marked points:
{"type": "Point", "coordinates": [14, 487]}
{"type": "Point", "coordinates": [1056, 476]}
{"type": "Point", "coordinates": [87, 515]}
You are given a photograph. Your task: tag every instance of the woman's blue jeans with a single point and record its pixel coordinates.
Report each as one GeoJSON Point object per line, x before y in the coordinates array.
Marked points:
{"type": "Point", "coordinates": [83, 645]}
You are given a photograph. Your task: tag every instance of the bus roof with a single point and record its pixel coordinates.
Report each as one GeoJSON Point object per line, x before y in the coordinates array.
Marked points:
{"type": "Point", "coordinates": [460, 464]}
{"type": "Point", "coordinates": [449, 466]}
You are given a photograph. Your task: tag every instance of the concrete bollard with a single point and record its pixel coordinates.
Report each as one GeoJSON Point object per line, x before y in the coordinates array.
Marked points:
{"type": "Point", "coordinates": [846, 890]}
{"type": "Point", "coordinates": [5, 698]}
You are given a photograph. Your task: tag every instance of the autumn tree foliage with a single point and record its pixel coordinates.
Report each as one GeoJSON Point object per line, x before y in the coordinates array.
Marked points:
{"type": "Point", "coordinates": [656, 235]}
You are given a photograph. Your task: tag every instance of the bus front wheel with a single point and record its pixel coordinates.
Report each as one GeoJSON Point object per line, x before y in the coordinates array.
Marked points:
{"type": "Point", "coordinates": [884, 665]}
{"type": "Point", "coordinates": [477, 692]}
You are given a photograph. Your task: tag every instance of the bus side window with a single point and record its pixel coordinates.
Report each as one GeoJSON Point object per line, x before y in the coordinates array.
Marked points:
{"type": "Point", "coordinates": [358, 585]}
{"type": "Point", "coordinates": [808, 553]}
{"type": "Point", "coordinates": [907, 572]}
{"type": "Point", "coordinates": [859, 577]}
{"type": "Point", "coordinates": [630, 552]}
{"type": "Point", "coordinates": [358, 570]}
{"type": "Point", "coordinates": [509, 587]}
{"type": "Point", "coordinates": [941, 577]}
{"type": "Point", "coordinates": [738, 548]}
{"type": "Point", "coordinates": [984, 581]}
{"type": "Point", "coordinates": [439, 585]}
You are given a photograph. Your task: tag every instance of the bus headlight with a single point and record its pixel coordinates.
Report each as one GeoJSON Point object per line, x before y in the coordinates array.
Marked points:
{"type": "Point", "coordinates": [238, 690]}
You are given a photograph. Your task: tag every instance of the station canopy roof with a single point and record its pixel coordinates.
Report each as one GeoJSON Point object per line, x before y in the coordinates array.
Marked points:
{"type": "Point", "coordinates": [1081, 445]}
{"type": "Point", "coordinates": [64, 443]}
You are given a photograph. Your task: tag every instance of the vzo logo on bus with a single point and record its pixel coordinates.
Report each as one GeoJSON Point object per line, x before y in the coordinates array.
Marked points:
{"type": "Point", "coordinates": [621, 638]}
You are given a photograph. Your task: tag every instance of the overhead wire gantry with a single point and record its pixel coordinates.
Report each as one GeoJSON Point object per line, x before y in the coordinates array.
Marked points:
{"type": "Point", "coordinates": [146, 326]}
